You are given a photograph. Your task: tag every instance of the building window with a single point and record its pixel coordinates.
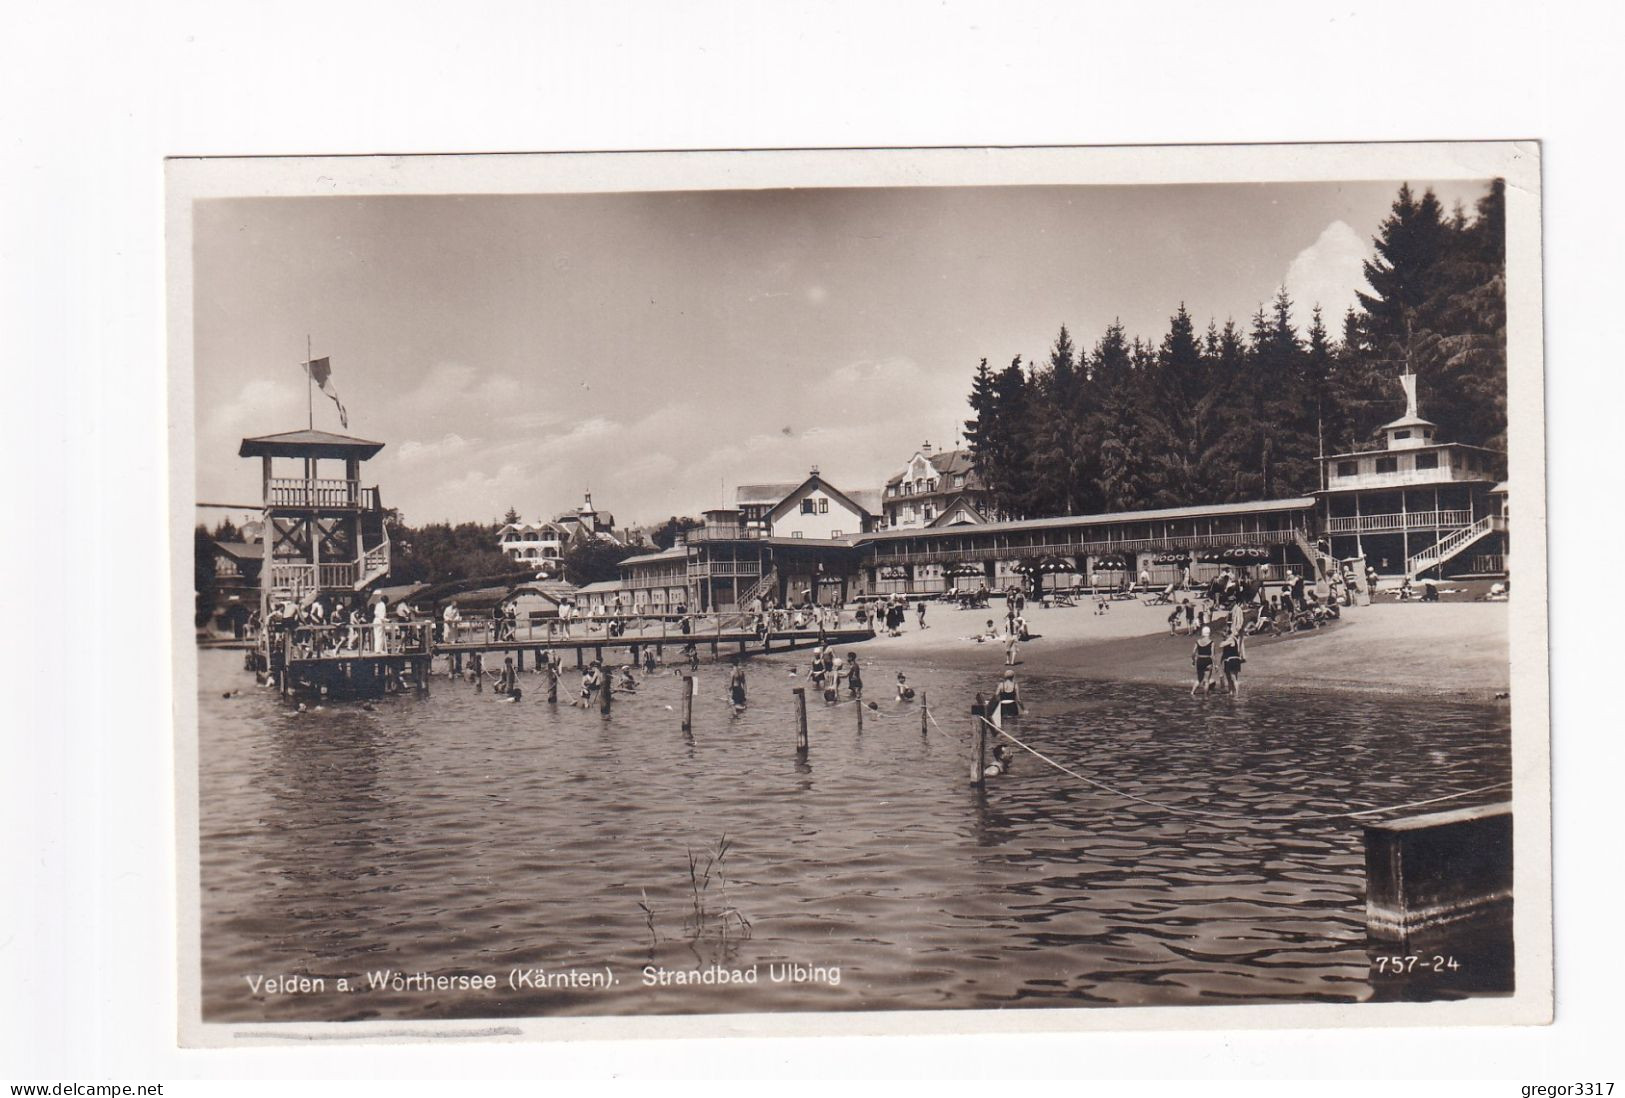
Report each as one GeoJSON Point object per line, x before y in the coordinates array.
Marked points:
{"type": "Point", "coordinates": [807, 507]}
{"type": "Point", "coordinates": [1388, 465]}
{"type": "Point", "coordinates": [823, 507]}
{"type": "Point", "coordinates": [1347, 468]}
{"type": "Point", "coordinates": [959, 480]}
{"type": "Point", "coordinates": [834, 533]}
{"type": "Point", "coordinates": [930, 513]}
{"type": "Point", "coordinates": [1427, 461]}
{"type": "Point", "coordinates": [1401, 434]}
{"type": "Point", "coordinates": [795, 533]}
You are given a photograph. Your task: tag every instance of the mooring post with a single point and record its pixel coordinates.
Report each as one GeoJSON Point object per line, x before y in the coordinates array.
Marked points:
{"type": "Point", "coordinates": [519, 660]}
{"type": "Point", "coordinates": [606, 690]}
{"type": "Point", "coordinates": [978, 763]}
{"type": "Point", "coordinates": [859, 704]}
{"type": "Point", "coordinates": [581, 657]}
{"type": "Point", "coordinates": [925, 712]}
{"type": "Point", "coordinates": [801, 719]}
{"type": "Point", "coordinates": [688, 703]}
{"type": "Point", "coordinates": [553, 686]}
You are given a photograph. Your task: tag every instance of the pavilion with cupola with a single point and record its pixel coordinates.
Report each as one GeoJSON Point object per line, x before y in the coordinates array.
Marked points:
{"type": "Point", "coordinates": [1417, 506]}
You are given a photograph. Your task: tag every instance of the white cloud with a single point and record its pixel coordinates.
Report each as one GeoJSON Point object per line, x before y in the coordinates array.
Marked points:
{"type": "Point", "coordinates": [412, 452]}
{"type": "Point", "coordinates": [1327, 273]}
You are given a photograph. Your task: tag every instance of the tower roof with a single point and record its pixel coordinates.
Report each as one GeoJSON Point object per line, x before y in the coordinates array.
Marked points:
{"type": "Point", "coordinates": [317, 444]}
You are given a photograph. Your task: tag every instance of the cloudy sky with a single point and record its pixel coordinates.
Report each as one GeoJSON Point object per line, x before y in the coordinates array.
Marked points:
{"type": "Point", "coordinates": [663, 348]}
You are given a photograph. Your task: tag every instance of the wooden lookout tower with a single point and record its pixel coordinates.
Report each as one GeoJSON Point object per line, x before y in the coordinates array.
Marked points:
{"type": "Point", "coordinates": [324, 535]}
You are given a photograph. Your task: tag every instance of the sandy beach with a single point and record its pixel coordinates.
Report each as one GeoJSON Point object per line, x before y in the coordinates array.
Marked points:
{"type": "Point", "coordinates": [1454, 650]}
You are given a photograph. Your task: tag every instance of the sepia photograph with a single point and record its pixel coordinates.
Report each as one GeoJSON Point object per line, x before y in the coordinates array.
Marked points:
{"type": "Point", "coordinates": [1080, 584]}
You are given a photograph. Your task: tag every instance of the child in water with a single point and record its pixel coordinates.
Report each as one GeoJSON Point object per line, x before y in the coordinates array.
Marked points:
{"type": "Point", "coordinates": [905, 692]}
{"type": "Point", "coordinates": [854, 678]}
{"type": "Point", "coordinates": [627, 683]}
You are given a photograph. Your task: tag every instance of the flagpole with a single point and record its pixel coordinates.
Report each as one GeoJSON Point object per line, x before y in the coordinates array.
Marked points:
{"type": "Point", "coordinates": [310, 399]}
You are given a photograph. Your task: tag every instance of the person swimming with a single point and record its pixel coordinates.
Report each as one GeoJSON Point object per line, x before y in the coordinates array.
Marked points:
{"type": "Point", "coordinates": [736, 688]}
{"type": "Point", "coordinates": [905, 692]}
{"type": "Point", "coordinates": [1000, 763]}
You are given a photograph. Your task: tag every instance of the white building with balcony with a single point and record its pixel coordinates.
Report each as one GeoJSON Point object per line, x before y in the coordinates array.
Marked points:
{"type": "Point", "coordinates": [1417, 505]}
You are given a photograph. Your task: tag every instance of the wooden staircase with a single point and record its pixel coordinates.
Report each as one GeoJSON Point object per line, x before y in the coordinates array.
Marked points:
{"type": "Point", "coordinates": [769, 582]}
{"type": "Point", "coordinates": [1451, 545]}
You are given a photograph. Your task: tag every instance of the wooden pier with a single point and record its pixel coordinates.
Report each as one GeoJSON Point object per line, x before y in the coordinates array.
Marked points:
{"type": "Point", "coordinates": [384, 657]}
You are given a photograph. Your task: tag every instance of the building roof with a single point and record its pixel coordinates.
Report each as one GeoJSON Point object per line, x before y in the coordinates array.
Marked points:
{"type": "Point", "coordinates": [399, 591]}
{"type": "Point", "coordinates": [319, 444]}
{"type": "Point", "coordinates": [1409, 419]}
{"type": "Point", "coordinates": [950, 510]}
{"type": "Point", "coordinates": [1385, 452]}
{"type": "Point", "coordinates": [946, 463]}
{"type": "Point", "coordinates": [242, 550]}
{"type": "Point", "coordinates": [676, 552]}
{"type": "Point", "coordinates": [829, 489]}
{"type": "Point", "coordinates": [1499, 489]}
{"type": "Point", "coordinates": [602, 586]}
{"type": "Point", "coordinates": [483, 598]}
{"type": "Point", "coordinates": [1167, 514]}
{"type": "Point", "coordinates": [747, 494]}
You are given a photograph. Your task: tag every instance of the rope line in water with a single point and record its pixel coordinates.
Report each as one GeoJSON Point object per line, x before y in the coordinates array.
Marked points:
{"type": "Point", "coordinates": [1184, 811]}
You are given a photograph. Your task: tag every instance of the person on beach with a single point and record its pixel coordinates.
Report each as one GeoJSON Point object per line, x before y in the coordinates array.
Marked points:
{"type": "Point", "coordinates": [921, 610]}
{"type": "Point", "coordinates": [854, 677]}
{"type": "Point", "coordinates": [905, 692]}
{"type": "Point", "coordinates": [736, 687]}
{"type": "Point", "coordinates": [1010, 638]}
{"type": "Point", "coordinates": [1173, 622]}
{"type": "Point", "coordinates": [1232, 655]}
{"type": "Point", "coordinates": [1190, 614]}
{"type": "Point", "coordinates": [1202, 660]}
{"type": "Point", "coordinates": [1008, 697]}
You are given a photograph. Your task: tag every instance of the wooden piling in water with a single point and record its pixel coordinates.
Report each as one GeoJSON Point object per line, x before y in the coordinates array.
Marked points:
{"type": "Point", "coordinates": [801, 719]}
{"type": "Point", "coordinates": [925, 712]}
{"type": "Point", "coordinates": [979, 761]}
{"type": "Point", "coordinates": [859, 702]}
{"type": "Point", "coordinates": [606, 690]}
{"type": "Point", "coordinates": [688, 703]}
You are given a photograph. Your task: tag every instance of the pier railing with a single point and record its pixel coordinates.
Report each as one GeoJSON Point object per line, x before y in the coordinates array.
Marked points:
{"type": "Point", "coordinates": [628, 628]}
{"type": "Point", "coordinates": [335, 641]}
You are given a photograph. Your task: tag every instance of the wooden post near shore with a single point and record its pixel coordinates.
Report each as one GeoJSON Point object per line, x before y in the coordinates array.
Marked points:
{"type": "Point", "coordinates": [979, 762]}
{"type": "Point", "coordinates": [606, 690]}
{"type": "Point", "coordinates": [801, 720]}
{"type": "Point", "coordinates": [859, 703]}
{"type": "Point", "coordinates": [925, 712]}
{"type": "Point", "coordinates": [688, 703]}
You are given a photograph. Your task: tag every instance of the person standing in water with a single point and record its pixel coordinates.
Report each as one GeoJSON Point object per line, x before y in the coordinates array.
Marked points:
{"type": "Point", "coordinates": [1231, 656]}
{"type": "Point", "coordinates": [1008, 697]}
{"type": "Point", "coordinates": [736, 688]}
{"type": "Point", "coordinates": [1202, 660]}
{"type": "Point", "coordinates": [854, 677]}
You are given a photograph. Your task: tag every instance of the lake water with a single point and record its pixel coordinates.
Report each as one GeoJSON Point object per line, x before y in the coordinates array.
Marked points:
{"type": "Point", "coordinates": [456, 835]}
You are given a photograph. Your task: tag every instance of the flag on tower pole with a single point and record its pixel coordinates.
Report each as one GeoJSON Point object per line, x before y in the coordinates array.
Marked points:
{"type": "Point", "coordinates": [321, 372]}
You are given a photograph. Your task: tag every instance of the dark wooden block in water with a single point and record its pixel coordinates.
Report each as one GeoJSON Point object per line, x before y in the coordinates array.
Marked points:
{"type": "Point", "coordinates": [1427, 872]}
